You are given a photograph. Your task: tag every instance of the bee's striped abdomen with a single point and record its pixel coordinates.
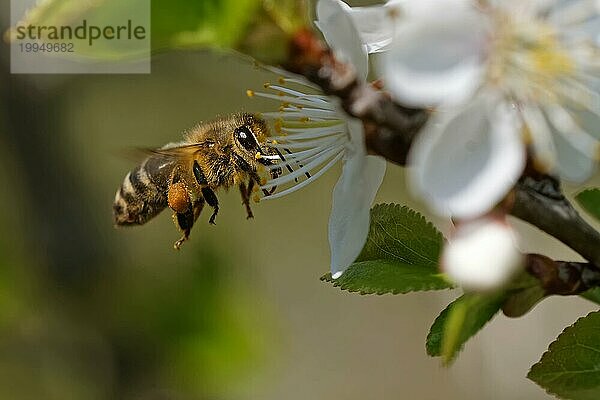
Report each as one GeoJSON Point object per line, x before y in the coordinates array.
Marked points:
{"type": "Point", "coordinates": [143, 193]}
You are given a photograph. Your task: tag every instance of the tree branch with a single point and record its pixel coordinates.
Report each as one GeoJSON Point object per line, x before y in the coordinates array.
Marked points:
{"type": "Point", "coordinates": [540, 201]}
{"type": "Point", "coordinates": [563, 278]}
{"type": "Point", "coordinates": [390, 129]}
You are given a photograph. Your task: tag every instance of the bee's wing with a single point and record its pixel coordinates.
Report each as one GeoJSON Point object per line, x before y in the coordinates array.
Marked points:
{"type": "Point", "coordinates": [179, 152]}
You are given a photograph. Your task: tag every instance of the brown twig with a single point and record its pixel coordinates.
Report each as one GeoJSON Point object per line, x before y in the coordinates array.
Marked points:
{"type": "Point", "coordinates": [390, 129]}
{"type": "Point", "coordinates": [540, 201]}
{"type": "Point", "coordinates": [562, 277]}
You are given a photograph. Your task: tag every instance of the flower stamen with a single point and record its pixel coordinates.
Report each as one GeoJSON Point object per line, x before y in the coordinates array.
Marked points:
{"type": "Point", "coordinates": [309, 128]}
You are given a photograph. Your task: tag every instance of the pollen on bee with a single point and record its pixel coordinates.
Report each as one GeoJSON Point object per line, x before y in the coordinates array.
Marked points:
{"type": "Point", "coordinates": [256, 198]}
{"type": "Point", "coordinates": [257, 156]}
{"type": "Point", "coordinates": [276, 142]}
{"type": "Point", "coordinates": [178, 197]}
{"type": "Point", "coordinates": [263, 181]}
{"type": "Point", "coordinates": [250, 93]}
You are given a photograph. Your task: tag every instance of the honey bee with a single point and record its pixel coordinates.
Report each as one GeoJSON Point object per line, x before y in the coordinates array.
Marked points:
{"type": "Point", "coordinates": [184, 176]}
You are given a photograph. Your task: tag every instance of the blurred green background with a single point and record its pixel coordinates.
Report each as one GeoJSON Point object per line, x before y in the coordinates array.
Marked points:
{"type": "Point", "coordinates": [91, 312]}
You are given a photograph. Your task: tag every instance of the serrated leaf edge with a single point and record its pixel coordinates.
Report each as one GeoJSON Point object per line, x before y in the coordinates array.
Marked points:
{"type": "Point", "coordinates": [411, 213]}
{"type": "Point", "coordinates": [427, 287]}
{"type": "Point", "coordinates": [461, 347]}
{"type": "Point", "coordinates": [551, 348]}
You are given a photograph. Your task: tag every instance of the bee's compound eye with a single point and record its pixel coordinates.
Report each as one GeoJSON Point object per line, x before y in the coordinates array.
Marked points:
{"type": "Point", "coordinates": [246, 138]}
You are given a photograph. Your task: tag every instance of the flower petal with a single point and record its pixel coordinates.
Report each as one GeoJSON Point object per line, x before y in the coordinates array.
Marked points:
{"type": "Point", "coordinates": [576, 150]}
{"type": "Point", "coordinates": [572, 164]}
{"type": "Point", "coordinates": [334, 21]}
{"type": "Point", "coordinates": [375, 24]}
{"type": "Point", "coordinates": [577, 19]}
{"type": "Point", "coordinates": [465, 162]}
{"type": "Point", "coordinates": [352, 198]}
{"type": "Point", "coordinates": [438, 56]}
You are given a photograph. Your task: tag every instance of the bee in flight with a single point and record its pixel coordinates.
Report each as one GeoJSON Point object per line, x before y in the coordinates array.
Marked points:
{"type": "Point", "coordinates": [184, 176]}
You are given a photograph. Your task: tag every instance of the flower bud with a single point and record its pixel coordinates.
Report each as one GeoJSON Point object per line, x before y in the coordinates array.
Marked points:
{"type": "Point", "coordinates": [482, 254]}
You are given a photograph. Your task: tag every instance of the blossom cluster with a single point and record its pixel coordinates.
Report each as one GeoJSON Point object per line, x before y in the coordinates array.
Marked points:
{"type": "Point", "coordinates": [508, 81]}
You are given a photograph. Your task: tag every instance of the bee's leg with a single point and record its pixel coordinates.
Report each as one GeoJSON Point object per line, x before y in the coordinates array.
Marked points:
{"type": "Point", "coordinates": [246, 193]}
{"type": "Point", "coordinates": [185, 221]}
{"type": "Point", "coordinates": [178, 199]}
{"type": "Point", "coordinates": [299, 165]}
{"type": "Point", "coordinates": [255, 178]}
{"type": "Point", "coordinates": [211, 199]}
{"type": "Point", "coordinates": [198, 206]}
{"type": "Point", "coordinates": [270, 191]}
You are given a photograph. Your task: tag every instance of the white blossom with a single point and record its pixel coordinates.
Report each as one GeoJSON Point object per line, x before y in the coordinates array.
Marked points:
{"type": "Point", "coordinates": [505, 77]}
{"type": "Point", "coordinates": [375, 25]}
{"type": "Point", "coordinates": [313, 133]}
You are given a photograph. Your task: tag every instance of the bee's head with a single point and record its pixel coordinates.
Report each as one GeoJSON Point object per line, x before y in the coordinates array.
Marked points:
{"type": "Point", "coordinates": [250, 141]}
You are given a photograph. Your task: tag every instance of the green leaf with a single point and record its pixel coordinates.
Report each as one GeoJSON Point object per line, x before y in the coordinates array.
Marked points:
{"type": "Point", "coordinates": [520, 302]}
{"type": "Point", "coordinates": [589, 199]}
{"type": "Point", "coordinates": [289, 15]}
{"type": "Point", "coordinates": [571, 366]}
{"type": "Point", "coordinates": [462, 319]}
{"type": "Point", "coordinates": [221, 23]}
{"type": "Point", "coordinates": [592, 295]}
{"type": "Point", "coordinates": [399, 233]}
{"type": "Point", "coordinates": [174, 23]}
{"type": "Point", "coordinates": [523, 293]}
{"type": "Point", "coordinates": [382, 276]}
{"type": "Point", "coordinates": [400, 256]}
